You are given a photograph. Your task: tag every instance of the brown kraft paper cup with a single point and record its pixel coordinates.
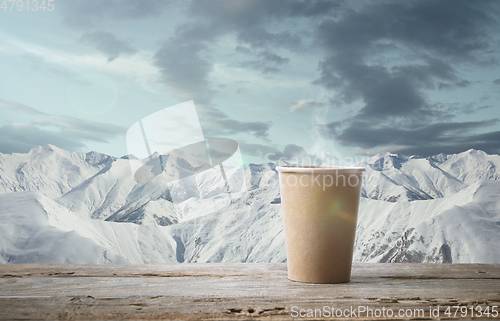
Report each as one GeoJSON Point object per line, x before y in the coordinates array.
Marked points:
{"type": "Point", "coordinates": [320, 210]}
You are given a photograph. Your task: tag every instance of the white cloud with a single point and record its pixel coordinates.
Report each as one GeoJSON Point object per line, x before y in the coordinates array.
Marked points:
{"type": "Point", "coordinates": [136, 68]}
{"type": "Point", "coordinates": [305, 103]}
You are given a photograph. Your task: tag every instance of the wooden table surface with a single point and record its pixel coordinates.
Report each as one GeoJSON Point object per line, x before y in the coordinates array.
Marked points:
{"type": "Point", "coordinates": [243, 291]}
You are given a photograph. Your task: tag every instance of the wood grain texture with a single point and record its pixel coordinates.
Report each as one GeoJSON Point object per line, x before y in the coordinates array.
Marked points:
{"type": "Point", "coordinates": [233, 291]}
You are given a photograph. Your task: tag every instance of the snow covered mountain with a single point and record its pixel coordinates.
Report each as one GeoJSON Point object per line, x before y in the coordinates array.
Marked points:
{"type": "Point", "coordinates": [443, 208]}
{"type": "Point", "coordinates": [392, 177]}
{"type": "Point", "coordinates": [461, 228]}
{"type": "Point", "coordinates": [48, 169]}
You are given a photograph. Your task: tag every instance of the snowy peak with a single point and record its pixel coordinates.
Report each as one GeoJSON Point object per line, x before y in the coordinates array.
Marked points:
{"type": "Point", "coordinates": [385, 161]}
{"type": "Point", "coordinates": [51, 151]}
{"type": "Point", "coordinates": [392, 177]}
{"type": "Point", "coordinates": [97, 159]}
{"type": "Point", "coordinates": [471, 166]}
{"type": "Point", "coordinates": [48, 169]}
{"type": "Point", "coordinates": [49, 148]}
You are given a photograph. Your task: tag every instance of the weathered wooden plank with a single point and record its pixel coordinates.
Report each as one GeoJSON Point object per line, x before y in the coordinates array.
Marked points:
{"type": "Point", "coordinates": [144, 270]}
{"type": "Point", "coordinates": [233, 291]}
{"type": "Point", "coordinates": [400, 270]}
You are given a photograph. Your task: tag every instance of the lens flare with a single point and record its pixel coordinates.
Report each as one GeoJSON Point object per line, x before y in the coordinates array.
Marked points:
{"type": "Point", "coordinates": [343, 215]}
{"type": "Point", "coordinates": [336, 206]}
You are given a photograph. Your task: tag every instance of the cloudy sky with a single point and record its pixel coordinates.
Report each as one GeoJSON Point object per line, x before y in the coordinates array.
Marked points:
{"type": "Point", "coordinates": [283, 78]}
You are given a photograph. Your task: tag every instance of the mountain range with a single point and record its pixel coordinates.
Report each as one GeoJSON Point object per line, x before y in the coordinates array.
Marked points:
{"type": "Point", "coordinates": [66, 207]}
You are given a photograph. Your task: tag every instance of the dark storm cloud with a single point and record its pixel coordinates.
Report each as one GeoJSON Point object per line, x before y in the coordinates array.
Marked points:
{"type": "Point", "coordinates": [486, 142]}
{"type": "Point", "coordinates": [422, 140]}
{"type": "Point", "coordinates": [66, 132]}
{"type": "Point", "coordinates": [258, 37]}
{"type": "Point", "coordinates": [331, 130]}
{"type": "Point", "coordinates": [496, 81]}
{"type": "Point", "coordinates": [266, 61]}
{"type": "Point", "coordinates": [216, 123]}
{"type": "Point", "coordinates": [84, 13]}
{"type": "Point", "coordinates": [244, 14]}
{"type": "Point", "coordinates": [454, 29]}
{"type": "Point", "coordinates": [462, 108]}
{"type": "Point", "coordinates": [423, 75]}
{"type": "Point", "coordinates": [108, 44]}
{"type": "Point", "coordinates": [459, 84]}
{"type": "Point", "coordinates": [184, 71]}
{"type": "Point", "coordinates": [366, 136]}
{"type": "Point", "coordinates": [364, 49]}
{"type": "Point", "coordinates": [385, 94]}
{"type": "Point", "coordinates": [183, 68]}
{"type": "Point", "coordinates": [182, 59]}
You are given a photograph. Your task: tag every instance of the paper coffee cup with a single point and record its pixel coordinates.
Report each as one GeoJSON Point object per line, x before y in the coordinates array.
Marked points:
{"type": "Point", "coordinates": [320, 209]}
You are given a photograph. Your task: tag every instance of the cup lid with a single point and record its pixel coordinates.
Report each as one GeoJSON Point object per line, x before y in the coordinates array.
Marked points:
{"type": "Point", "coordinates": [319, 169]}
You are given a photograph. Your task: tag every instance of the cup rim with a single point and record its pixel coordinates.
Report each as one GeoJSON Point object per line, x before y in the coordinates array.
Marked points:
{"type": "Point", "coordinates": [319, 168]}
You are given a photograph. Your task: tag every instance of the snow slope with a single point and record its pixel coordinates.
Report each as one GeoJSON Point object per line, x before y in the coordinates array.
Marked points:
{"type": "Point", "coordinates": [34, 228]}
{"type": "Point", "coordinates": [462, 228]}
